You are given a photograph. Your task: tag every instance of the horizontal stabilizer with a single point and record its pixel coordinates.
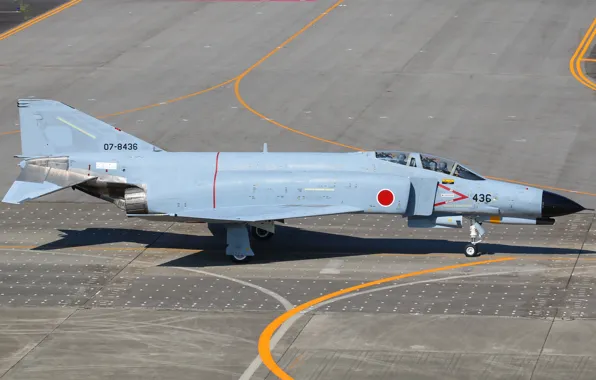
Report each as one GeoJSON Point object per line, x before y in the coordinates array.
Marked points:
{"type": "Point", "coordinates": [262, 213]}
{"type": "Point", "coordinates": [43, 176]}
{"type": "Point", "coordinates": [21, 191]}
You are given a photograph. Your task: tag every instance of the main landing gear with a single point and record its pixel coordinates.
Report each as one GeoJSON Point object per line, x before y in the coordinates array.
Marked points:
{"type": "Point", "coordinates": [238, 240]}
{"type": "Point", "coordinates": [240, 259]}
{"type": "Point", "coordinates": [260, 234]}
{"type": "Point", "coordinates": [476, 234]}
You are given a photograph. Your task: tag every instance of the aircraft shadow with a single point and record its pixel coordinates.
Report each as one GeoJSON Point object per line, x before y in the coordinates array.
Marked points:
{"type": "Point", "coordinates": [288, 244]}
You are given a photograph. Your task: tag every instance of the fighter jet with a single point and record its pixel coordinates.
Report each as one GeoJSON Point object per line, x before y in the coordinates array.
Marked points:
{"type": "Point", "coordinates": [248, 192]}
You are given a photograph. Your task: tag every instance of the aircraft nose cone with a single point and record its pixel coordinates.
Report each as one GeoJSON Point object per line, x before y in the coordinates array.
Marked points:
{"type": "Point", "coordinates": [557, 205]}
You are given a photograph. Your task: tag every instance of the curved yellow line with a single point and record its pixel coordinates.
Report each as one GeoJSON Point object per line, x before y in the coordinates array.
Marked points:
{"type": "Point", "coordinates": [575, 61]}
{"type": "Point", "coordinates": [581, 72]}
{"type": "Point", "coordinates": [582, 54]}
{"type": "Point", "coordinates": [168, 101]}
{"type": "Point", "coordinates": [150, 105]}
{"type": "Point", "coordinates": [278, 124]}
{"type": "Point", "coordinates": [35, 20]}
{"type": "Point", "coordinates": [265, 338]}
{"type": "Point", "coordinates": [575, 56]}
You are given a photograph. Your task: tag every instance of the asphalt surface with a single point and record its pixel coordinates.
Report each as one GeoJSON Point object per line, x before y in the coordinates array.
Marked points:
{"type": "Point", "coordinates": [85, 292]}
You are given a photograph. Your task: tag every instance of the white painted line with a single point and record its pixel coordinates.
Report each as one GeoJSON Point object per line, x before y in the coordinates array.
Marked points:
{"type": "Point", "coordinates": [332, 267]}
{"type": "Point", "coordinates": [286, 304]}
{"type": "Point", "coordinates": [256, 363]}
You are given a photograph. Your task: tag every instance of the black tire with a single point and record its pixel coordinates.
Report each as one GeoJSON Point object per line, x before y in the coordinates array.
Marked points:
{"type": "Point", "coordinates": [260, 234]}
{"type": "Point", "coordinates": [240, 259]}
{"type": "Point", "coordinates": [471, 250]}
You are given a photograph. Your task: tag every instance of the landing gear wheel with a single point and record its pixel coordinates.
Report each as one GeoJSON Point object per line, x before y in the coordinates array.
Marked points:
{"type": "Point", "coordinates": [471, 250]}
{"type": "Point", "coordinates": [260, 234]}
{"type": "Point", "coordinates": [240, 259]}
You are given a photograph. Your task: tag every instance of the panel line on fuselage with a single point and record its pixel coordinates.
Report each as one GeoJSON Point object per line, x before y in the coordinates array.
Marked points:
{"type": "Point", "coordinates": [215, 176]}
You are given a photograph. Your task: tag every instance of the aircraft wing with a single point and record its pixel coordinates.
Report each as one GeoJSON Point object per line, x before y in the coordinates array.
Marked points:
{"type": "Point", "coordinates": [262, 213]}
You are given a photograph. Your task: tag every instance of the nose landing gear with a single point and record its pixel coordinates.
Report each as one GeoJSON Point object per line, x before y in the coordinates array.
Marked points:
{"type": "Point", "coordinates": [476, 234]}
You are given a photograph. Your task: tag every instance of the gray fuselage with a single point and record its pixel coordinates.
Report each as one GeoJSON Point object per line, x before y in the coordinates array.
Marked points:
{"type": "Point", "coordinates": [195, 181]}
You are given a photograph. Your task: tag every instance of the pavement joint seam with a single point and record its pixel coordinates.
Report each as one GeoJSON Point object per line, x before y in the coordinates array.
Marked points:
{"type": "Point", "coordinates": [290, 344]}
{"type": "Point", "coordinates": [109, 281]}
{"type": "Point", "coordinates": [556, 313]}
{"type": "Point", "coordinates": [550, 327]}
{"type": "Point", "coordinates": [40, 342]}
{"type": "Point", "coordinates": [586, 234]}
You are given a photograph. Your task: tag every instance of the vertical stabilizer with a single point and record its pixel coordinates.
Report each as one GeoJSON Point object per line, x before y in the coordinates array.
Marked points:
{"type": "Point", "coordinates": [52, 128]}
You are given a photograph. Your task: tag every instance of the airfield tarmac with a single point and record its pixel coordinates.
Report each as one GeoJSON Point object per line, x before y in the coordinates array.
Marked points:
{"type": "Point", "coordinates": [86, 292]}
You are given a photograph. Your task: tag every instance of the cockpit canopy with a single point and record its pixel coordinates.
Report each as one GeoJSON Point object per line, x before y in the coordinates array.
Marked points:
{"type": "Point", "coordinates": [429, 162]}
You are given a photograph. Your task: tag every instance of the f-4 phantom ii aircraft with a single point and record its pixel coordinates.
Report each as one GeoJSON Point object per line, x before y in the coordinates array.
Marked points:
{"type": "Point", "coordinates": [248, 192]}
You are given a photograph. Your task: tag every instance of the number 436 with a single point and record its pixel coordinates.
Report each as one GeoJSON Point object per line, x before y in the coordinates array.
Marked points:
{"type": "Point", "coordinates": [482, 198]}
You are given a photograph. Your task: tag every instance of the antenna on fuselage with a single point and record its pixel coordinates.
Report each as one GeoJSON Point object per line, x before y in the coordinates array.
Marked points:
{"type": "Point", "coordinates": [265, 148]}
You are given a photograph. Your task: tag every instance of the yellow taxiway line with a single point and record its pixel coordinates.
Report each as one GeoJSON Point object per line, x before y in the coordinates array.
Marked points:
{"type": "Point", "coordinates": [174, 100]}
{"type": "Point", "coordinates": [260, 61]}
{"type": "Point", "coordinates": [37, 19]}
{"type": "Point", "coordinates": [267, 334]}
{"type": "Point", "coordinates": [8, 133]}
{"type": "Point", "coordinates": [575, 63]}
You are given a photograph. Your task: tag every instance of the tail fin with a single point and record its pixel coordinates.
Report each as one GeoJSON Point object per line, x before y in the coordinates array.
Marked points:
{"type": "Point", "coordinates": [51, 128]}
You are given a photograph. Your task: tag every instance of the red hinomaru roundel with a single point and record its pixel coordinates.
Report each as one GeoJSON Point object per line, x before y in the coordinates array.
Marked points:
{"type": "Point", "coordinates": [385, 197]}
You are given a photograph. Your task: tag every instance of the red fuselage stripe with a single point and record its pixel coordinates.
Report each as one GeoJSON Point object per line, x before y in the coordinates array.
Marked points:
{"type": "Point", "coordinates": [215, 176]}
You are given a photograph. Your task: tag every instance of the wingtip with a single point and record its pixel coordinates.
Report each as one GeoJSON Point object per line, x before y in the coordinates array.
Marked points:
{"type": "Point", "coordinates": [11, 201]}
